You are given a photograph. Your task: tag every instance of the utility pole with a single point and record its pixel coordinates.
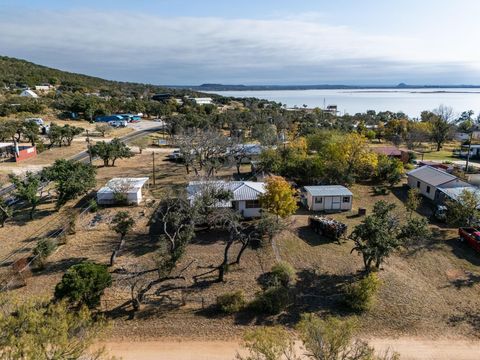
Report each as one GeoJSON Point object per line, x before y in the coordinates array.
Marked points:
{"type": "Point", "coordinates": [468, 153]}
{"type": "Point", "coordinates": [88, 148]}
{"type": "Point", "coordinates": [153, 166]}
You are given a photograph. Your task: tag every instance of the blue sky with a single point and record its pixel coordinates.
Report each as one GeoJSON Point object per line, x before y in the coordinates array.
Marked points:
{"type": "Point", "coordinates": [191, 42]}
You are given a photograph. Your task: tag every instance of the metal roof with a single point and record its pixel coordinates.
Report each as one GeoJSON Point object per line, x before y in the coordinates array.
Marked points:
{"type": "Point", "coordinates": [431, 175]}
{"type": "Point", "coordinates": [241, 190]}
{"type": "Point", "coordinates": [454, 193]}
{"type": "Point", "coordinates": [328, 190]}
{"type": "Point", "coordinates": [126, 185]}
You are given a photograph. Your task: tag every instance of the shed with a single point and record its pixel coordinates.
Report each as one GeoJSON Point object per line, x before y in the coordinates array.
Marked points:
{"type": "Point", "coordinates": [328, 198]}
{"type": "Point", "coordinates": [118, 189]}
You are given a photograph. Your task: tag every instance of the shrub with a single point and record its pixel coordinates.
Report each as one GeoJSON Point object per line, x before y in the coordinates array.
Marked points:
{"type": "Point", "coordinates": [232, 302]}
{"type": "Point", "coordinates": [93, 205]}
{"type": "Point", "coordinates": [283, 274]}
{"type": "Point", "coordinates": [380, 190]}
{"type": "Point", "coordinates": [360, 296]}
{"type": "Point", "coordinates": [44, 248]}
{"type": "Point", "coordinates": [272, 301]}
{"type": "Point", "coordinates": [84, 284]}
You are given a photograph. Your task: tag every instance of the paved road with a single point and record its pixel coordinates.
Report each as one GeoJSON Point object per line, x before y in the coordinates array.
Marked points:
{"type": "Point", "coordinates": [141, 128]}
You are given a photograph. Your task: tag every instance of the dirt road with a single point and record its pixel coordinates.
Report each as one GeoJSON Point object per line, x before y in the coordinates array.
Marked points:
{"type": "Point", "coordinates": [417, 349]}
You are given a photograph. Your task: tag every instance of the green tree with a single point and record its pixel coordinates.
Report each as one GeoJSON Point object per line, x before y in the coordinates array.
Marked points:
{"type": "Point", "coordinates": [142, 143]}
{"type": "Point", "coordinates": [84, 284]}
{"type": "Point", "coordinates": [279, 198]}
{"type": "Point", "coordinates": [269, 343]}
{"type": "Point", "coordinates": [464, 210]}
{"type": "Point", "coordinates": [360, 296]}
{"type": "Point", "coordinates": [6, 212]}
{"type": "Point", "coordinates": [109, 152]}
{"type": "Point", "coordinates": [122, 223]}
{"type": "Point", "coordinates": [48, 331]}
{"type": "Point", "coordinates": [31, 132]}
{"type": "Point", "coordinates": [71, 179]}
{"type": "Point", "coordinates": [415, 232]}
{"type": "Point", "coordinates": [413, 201]}
{"type": "Point", "coordinates": [26, 189]}
{"type": "Point", "coordinates": [334, 339]}
{"type": "Point", "coordinates": [376, 237]}
{"type": "Point", "coordinates": [103, 128]}
{"type": "Point", "coordinates": [389, 170]}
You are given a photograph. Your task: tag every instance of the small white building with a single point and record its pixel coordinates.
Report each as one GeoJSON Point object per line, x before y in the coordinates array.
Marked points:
{"type": "Point", "coordinates": [244, 195]}
{"type": "Point", "coordinates": [28, 93]}
{"type": "Point", "coordinates": [328, 198]}
{"type": "Point", "coordinates": [203, 101]}
{"type": "Point", "coordinates": [121, 189]}
{"type": "Point", "coordinates": [429, 180]}
{"type": "Point", "coordinates": [43, 87]}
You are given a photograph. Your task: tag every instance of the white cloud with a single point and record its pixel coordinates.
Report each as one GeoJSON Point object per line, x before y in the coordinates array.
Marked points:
{"type": "Point", "coordinates": [286, 49]}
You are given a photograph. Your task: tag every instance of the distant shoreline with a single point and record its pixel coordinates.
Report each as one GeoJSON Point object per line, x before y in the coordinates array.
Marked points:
{"type": "Point", "coordinates": [365, 88]}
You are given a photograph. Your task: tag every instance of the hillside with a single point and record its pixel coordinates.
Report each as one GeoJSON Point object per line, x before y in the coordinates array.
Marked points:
{"type": "Point", "coordinates": [17, 73]}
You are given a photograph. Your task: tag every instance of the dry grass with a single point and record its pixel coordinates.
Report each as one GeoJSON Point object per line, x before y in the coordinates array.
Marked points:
{"type": "Point", "coordinates": [429, 292]}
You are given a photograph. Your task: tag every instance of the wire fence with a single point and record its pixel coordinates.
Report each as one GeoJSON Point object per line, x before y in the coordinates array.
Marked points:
{"type": "Point", "coordinates": [18, 265]}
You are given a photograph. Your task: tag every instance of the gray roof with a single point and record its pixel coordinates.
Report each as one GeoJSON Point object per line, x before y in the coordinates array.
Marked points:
{"type": "Point", "coordinates": [431, 175]}
{"type": "Point", "coordinates": [328, 190]}
{"type": "Point", "coordinates": [454, 193]}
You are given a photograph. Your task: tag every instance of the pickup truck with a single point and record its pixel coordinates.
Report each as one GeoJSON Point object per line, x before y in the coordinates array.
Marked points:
{"type": "Point", "coordinates": [471, 235]}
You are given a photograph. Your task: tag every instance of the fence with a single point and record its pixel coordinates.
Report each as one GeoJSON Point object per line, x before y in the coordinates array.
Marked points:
{"type": "Point", "coordinates": [21, 264]}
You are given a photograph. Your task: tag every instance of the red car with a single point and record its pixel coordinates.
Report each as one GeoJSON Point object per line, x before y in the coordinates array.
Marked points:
{"type": "Point", "coordinates": [471, 235]}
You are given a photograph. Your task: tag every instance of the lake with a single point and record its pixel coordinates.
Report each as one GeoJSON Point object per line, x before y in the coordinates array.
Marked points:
{"type": "Point", "coordinates": [411, 101]}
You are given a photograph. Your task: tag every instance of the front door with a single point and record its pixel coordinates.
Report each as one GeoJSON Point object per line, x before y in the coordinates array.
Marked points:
{"type": "Point", "coordinates": [336, 202]}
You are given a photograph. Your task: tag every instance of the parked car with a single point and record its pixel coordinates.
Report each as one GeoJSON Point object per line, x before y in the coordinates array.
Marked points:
{"type": "Point", "coordinates": [440, 213]}
{"type": "Point", "coordinates": [117, 123]}
{"type": "Point", "coordinates": [175, 155]}
{"type": "Point", "coordinates": [471, 235]}
{"type": "Point", "coordinates": [38, 121]}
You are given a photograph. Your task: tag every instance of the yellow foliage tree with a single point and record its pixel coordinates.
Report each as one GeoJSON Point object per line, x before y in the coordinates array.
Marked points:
{"type": "Point", "coordinates": [279, 198]}
{"type": "Point", "coordinates": [352, 157]}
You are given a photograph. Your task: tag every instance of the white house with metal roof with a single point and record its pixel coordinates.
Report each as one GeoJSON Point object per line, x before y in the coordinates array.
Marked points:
{"type": "Point", "coordinates": [328, 198]}
{"type": "Point", "coordinates": [429, 180]}
{"type": "Point", "coordinates": [28, 93]}
{"type": "Point", "coordinates": [244, 195]}
{"type": "Point", "coordinates": [122, 189]}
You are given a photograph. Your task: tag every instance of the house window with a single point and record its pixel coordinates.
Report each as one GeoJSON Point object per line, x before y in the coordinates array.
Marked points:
{"type": "Point", "coordinates": [346, 199]}
{"type": "Point", "coordinates": [428, 189]}
{"type": "Point", "coordinates": [318, 199]}
{"type": "Point", "coordinates": [252, 204]}
{"type": "Point", "coordinates": [418, 184]}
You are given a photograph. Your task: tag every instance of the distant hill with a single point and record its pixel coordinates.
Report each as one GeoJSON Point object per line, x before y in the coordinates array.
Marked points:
{"type": "Point", "coordinates": [17, 73]}
{"type": "Point", "coordinates": [240, 87]}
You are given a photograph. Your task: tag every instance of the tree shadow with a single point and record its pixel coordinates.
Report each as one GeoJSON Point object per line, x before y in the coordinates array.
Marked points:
{"type": "Point", "coordinates": [59, 266]}
{"type": "Point", "coordinates": [468, 281]}
{"type": "Point", "coordinates": [463, 251]}
{"type": "Point", "coordinates": [470, 318]}
{"type": "Point", "coordinates": [22, 216]}
{"type": "Point", "coordinates": [311, 293]}
{"type": "Point", "coordinates": [310, 237]}
{"type": "Point", "coordinates": [140, 244]}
